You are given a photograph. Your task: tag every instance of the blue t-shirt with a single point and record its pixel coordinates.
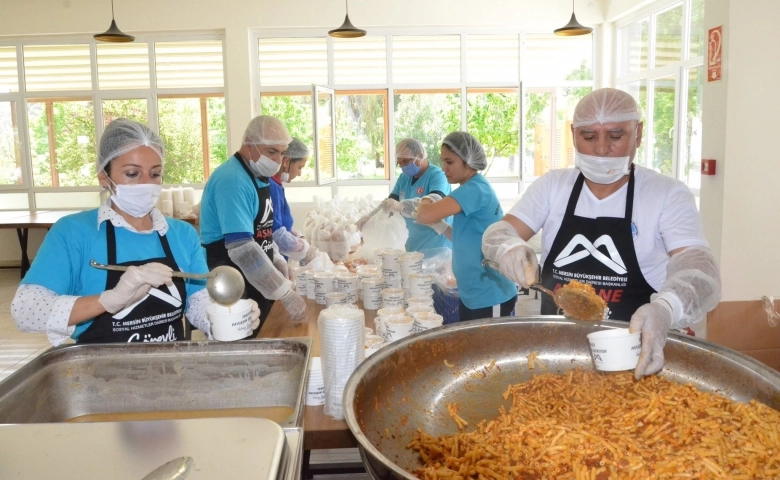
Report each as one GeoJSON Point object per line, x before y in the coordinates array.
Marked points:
{"type": "Point", "coordinates": [62, 262]}
{"type": "Point", "coordinates": [478, 286]}
{"type": "Point", "coordinates": [433, 180]}
{"type": "Point", "coordinates": [282, 215]}
{"type": "Point", "coordinates": [229, 203]}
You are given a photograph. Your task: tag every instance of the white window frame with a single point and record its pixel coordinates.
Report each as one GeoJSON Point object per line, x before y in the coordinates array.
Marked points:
{"type": "Point", "coordinates": [391, 87]}
{"type": "Point", "coordinates": [652, 74]}
{"type": "Point", "coordinates": [97, 96]}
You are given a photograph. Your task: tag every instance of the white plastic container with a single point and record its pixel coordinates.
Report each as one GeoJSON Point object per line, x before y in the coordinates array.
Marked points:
{"type": "Point", "coordinates": [615, 349]}
{"type": "Point", "coordinates": [230, 323]}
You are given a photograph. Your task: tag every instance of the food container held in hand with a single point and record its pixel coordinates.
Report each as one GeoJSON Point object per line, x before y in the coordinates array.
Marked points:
{"type": "Point", "coordinates": [615, 349]}
{"type": "Point", "coordinates": [230, 323]}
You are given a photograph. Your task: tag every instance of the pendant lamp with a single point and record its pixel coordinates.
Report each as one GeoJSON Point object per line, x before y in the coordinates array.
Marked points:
{"type": "Point", "coordinates": [347, 30]}
{"type": "Point", "coordinates": [113, 34]}
{"type": "Point", "coordinates": [573, 27]}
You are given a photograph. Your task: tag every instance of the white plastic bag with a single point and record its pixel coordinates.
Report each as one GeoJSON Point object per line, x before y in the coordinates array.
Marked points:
{"type": "Point", "coordinates": [383, 230]}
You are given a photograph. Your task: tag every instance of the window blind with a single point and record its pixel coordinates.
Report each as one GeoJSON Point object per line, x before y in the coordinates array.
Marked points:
{"type": "Point", "coordinates": [123, 66]}
{"type": "Point", "coordinates": [360, 60]}
{"type": "Point", "coordinates": [492, 58]}
{"type": "Point", "coordinates": [426, 59]}
{"type": "Point", "coordinates": [9, 78]}
{"type": "Point", "coordinates": [292, 61]}
{"type": "Point", "coordinates": [195, 64]}
{"type": "Point", "coordinates": [57, 67]}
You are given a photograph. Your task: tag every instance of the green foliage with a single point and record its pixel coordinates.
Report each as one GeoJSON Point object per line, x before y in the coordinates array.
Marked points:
{"type": "Point", "coordinates": [9, 146]}
{"type": "Point", "coordinates": [217, 131]}
{"type": "Point", "coordinates": [360, 136]}
{"type": "Point", "coordinates": [296, 113]}
{"type": "Point", "coordinates": [493, 119]}
{"type": "Point", "coordinates": [427, 118]}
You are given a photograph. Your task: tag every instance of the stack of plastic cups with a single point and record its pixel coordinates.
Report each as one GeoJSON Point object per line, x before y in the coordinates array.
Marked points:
{"type": "Point", "coordinates": [391, 267]}
{"type": "Point", "coordinates": [342, 347]}
{"type": "Point", "coordinates": [300, 280]}
{"type": "Point", "coordinates": [323, 283]}
{"type": "Point", "coordinates": [365, 271]}
{"type": "Point", "coordinates": [372, 292]}
{"type": "Point", "coordinates": [315, 385]}
{"type": "Point", "coordinates": [310, 283]}
{"type": "Point", "coordinates": [411, 263]}
{"type": "Point", "coordinates": [347, 282]}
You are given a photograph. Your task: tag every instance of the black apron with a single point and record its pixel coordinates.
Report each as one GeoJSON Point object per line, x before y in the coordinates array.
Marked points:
{"type": "Point", "coordinates": [157, 318]}
{"type": "Point", "coordinates": [599, 251]}
{"type": "Point", "coordinates": [217, 254]}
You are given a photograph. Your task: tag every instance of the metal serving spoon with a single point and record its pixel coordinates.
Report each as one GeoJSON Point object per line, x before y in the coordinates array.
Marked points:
{"type": "Point", "coordinates": [577, 303]}
{"type": "Point", "coordinates": [225, 284]}
{"type": "Point", "coordinates": [176, 469]}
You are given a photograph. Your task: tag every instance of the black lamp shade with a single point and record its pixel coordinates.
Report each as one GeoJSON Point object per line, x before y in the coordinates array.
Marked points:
{"type": "Point", "coordinates": [573, 28]}
{"type": "Point", "coordinates": [347, 30]}
{"type": "Point", "coordinates": [114, 35]}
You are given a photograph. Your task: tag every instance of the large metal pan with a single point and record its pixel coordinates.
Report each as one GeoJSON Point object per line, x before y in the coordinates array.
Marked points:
{"type": "Point", "coordinates": [407, 385]}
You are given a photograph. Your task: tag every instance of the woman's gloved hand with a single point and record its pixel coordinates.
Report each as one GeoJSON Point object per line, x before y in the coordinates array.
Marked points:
{"type": "Point", "coordinates": [281, 264]}
{"type": "Point", "coordinates": [255, 314]}
{"type": "Point", "coordinates": [295, 306]}
{"type": "Point", "coordinates": [654, 320]}
{"type": "Point", "coordinates": [390, 205]}
{"type": "Point", "coordinates": [134, 284]}
{"type": "Point", "coordinates": [409, 207]}
{"type": "Point", "coordinates": [362, 221]}
{"type": "Point", "coordinates": [313, 253]}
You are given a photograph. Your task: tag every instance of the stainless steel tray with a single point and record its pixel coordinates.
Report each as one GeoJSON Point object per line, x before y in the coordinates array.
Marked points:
{"type": "Point", "coordinates": [407, 384]}
{"type": "Point", "coordinates": [74, 380]}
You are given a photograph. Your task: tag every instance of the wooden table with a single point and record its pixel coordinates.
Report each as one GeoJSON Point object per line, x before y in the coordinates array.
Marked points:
{"type": "Point", "coordinates": [320, 431]}
{"type": "Point", "coordinates": [23, 220]}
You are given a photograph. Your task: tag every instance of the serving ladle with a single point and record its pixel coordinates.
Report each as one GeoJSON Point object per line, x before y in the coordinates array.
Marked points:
{"type": "Point", "coordinates": [575, 302]}
{"type": "Point", "coordinates": [225, 284]}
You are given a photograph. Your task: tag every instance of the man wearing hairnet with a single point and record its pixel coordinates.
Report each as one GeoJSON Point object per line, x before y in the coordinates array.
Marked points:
{"type": "Point", "coordinates": [418, 179]}
{"type": "Point", "coordinates": [632, 233]}
{"type": "Point", "coordinates": [484, 292]}
{"type": "Point", "coordinates": [237, 217]}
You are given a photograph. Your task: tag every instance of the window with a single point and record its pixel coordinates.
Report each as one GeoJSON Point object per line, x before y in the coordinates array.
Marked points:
{"type": "Point", "coordinates": [660, 62]}
{"type": "Point", "coordinates": [72, 90]}
{"type": "Point", "coordinates": [389, 87]}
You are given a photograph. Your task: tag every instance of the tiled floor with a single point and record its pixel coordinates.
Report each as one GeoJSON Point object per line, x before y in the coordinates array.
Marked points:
{"type": "Point", "coordinates": [18, 348]}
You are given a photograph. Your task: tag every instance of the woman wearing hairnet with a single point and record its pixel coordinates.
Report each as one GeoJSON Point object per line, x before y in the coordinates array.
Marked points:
{"type": "Point", "coordinates": [484, 292]}
{"type": "Point", "coordinates": [237, 217]}
{"type": "Point", "coordinates": [632, 233]}
{"type": "Point", "coordinates": [290, 242]}
{"type": "Point", "coordinates": [64, 296]}
{"type": "Point", "coordinates": [419, 179]}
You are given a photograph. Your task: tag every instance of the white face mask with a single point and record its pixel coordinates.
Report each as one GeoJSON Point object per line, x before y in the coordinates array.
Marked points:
{"type": "Point", "coordinates": [264, 167]}
{"type": "Point", "coordinates": [136, 200]}
{"type": "Point", "coordinates": [285, 177]}
{"type": "Point", "coordinates": [603, 170]}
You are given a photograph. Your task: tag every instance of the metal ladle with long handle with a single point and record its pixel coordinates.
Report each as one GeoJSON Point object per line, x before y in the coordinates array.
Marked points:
{"type": "Point", "coordinates": [575, 302]}
{"type": "Point", "coordinates": [225, 284]}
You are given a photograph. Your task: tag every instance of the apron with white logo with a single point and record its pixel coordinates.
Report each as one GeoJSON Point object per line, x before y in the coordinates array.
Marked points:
{"type": "Point", "coordinates": [157, 317]}
{"type": "Point", "coordinates": [217, 254]}
{"type": "Point", "coordinates": [599, 251]}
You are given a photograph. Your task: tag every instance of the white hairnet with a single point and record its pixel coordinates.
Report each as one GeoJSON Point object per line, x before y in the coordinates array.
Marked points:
{"type": "Point", "coordinates": [606, 105]}
{"type": "Point", "coordinates": [266, 130]}
{"type": "Point", "coordinates": [468, 148]}
{"type": "Point", "coordinates": [122, 136]}
{"type": "Point", "coordinates": [297, 150]}
{"type": "Point", "coordinates": [410, 148]}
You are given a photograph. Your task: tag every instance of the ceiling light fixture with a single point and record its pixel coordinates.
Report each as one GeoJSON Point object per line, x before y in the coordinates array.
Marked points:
{"type": "Point", "coordinates": [113, 34]}
{"type": "Point", "coordinates": [347, 30]}
{"type": "Point", "coordinates": [573, 27]}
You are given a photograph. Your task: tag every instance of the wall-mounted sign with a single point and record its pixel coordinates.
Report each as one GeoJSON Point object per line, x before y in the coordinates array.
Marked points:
{"type": "Point", "coordinates": [714, 56]}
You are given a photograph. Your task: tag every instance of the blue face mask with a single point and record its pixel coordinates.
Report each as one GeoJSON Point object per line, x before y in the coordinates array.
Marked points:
{"type": "Point", "coordinates": [411, 169]}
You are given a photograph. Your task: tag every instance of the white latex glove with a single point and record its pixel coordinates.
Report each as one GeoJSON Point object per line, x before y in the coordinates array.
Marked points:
{"type": "Point", "coordinates": [134, 284]}
{"type": "Point", "coordinates": [390, 205]}
{"type": "Point", "coordinates": [295, 306]}
{"type": "Point", "coordinates": [654, 320]}
{"type": "Point", "coordinates": [519, 265]}
{"type": "Point", "coordinates": [409, 207]}
{"type": "Point", "coordinates": [313, 253]}
{"type": "Point", "coordinates": [440, 227]}
{"type": "Point", "coordinates": [255, 315]}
